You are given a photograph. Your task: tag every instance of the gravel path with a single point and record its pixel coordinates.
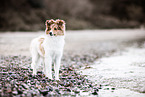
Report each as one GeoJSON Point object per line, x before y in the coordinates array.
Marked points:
{"type": "Point", "coordinates": [19, 81]}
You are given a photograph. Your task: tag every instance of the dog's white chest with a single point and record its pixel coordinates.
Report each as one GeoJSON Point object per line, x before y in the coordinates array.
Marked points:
{"type": "Point", "coordinates": [54, 43]}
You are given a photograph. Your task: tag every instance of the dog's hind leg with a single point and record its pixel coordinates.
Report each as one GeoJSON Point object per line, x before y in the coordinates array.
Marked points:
{"type": "Point", "coordinates": [43, 65]}
{"type": "Point", "coordinates": [35, 58]}
{"type": "Point", "coordinates": [34, 63]}
{"type": "Point", "coordinates": [39, 63]}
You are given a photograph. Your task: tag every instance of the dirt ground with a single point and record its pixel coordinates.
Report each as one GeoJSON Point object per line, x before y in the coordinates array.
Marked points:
{"type": "Point", "coordinates": [119, 42]}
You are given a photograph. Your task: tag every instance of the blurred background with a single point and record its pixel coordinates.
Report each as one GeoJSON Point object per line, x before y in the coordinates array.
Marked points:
{"type": "Point", "coordinates": [30, 15]}
{"type": "Point", "coordinates": [118, 41]}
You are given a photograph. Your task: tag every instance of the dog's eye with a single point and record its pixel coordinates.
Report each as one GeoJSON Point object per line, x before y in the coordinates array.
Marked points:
{"type": "Point", "coordinates": [59, 28]}
{"type": "Point", "coordinates": [55, 29]}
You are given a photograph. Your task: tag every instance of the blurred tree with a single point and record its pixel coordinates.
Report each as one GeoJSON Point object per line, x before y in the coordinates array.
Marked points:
{"type": "Point", "coordinates": [135, 13]}
{"type": "Point", "coordinates": [79, 14]}
{"type": "Point", "coordinates": [73, 8]}
{"type": "Point", "coordinates": [101, 6]}
{"type": "Point", "coordinates": [129, 9]}
{"type": "Point", "coordinates": [36, 3]}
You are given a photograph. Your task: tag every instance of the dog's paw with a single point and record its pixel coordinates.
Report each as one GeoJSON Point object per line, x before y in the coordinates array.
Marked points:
{"type": "Point", "coordinates": [57, 79]}
{"type": "Point", "coordinates": [50, 78]}
{"type": "Point", "coordinates": [34, 73]}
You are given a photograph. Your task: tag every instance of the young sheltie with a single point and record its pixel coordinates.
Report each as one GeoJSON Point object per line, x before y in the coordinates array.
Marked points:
{"type": "Point", "coordinates": [48, 49]}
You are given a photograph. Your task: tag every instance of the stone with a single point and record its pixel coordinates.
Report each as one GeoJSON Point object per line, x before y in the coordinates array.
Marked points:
{"type": "Point", "coordinates": [25, 86]}
{"type": "Point", "coordinates": [44, 92]}
{"type": "Point", "coordinates": [14, 92]}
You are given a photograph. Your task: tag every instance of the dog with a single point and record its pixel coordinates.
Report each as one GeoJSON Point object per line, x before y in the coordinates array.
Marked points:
{"type": "Point", "coordinates": [48, 49]}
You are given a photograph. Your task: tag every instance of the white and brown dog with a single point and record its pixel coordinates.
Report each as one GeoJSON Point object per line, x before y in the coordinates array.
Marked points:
{"type": "Point", "coordinates": [48, 49]}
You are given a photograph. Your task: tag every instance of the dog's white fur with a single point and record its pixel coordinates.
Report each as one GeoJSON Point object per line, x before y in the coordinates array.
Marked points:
{"type": "Point", "coordinates": [53, 47]}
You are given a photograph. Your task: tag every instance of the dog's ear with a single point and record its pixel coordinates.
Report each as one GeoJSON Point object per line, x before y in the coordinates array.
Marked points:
{"type": "Point", "coordinates": [49, 22]}
{"type": "Point", "coordinates": [60, 22]}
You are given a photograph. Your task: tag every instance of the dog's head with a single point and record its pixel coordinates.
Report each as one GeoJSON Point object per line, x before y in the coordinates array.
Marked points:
{"type": "Point", "coordinates": [55, 28]}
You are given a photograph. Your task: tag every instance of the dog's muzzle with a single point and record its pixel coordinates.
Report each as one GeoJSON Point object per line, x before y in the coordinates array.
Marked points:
{"type": "Point", "coordinates": [50, 33]}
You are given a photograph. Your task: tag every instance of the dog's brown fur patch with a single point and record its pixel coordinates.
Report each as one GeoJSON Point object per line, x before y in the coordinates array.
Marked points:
{"type": "Point", "coordinates": [41, 40]}
{"type": "Point", "coordinates": [57, 27]}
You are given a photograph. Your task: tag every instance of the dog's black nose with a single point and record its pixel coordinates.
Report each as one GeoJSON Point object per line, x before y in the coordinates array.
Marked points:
{"type": "Point", "coordinates": [50, 33]}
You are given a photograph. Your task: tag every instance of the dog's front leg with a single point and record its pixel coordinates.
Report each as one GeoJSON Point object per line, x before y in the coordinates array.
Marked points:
{"type": "Point", "coordinates": [48, 67]}
{"type": "Point", "coordinates": [57, 66]}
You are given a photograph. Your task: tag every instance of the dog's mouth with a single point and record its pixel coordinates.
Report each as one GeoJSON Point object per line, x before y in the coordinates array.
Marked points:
{"type": "Point", "coordinates": [52, 34]}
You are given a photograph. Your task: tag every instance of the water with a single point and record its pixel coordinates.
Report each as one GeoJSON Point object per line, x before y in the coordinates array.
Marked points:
{"type": "Point", "coordinates": [124, 70]}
